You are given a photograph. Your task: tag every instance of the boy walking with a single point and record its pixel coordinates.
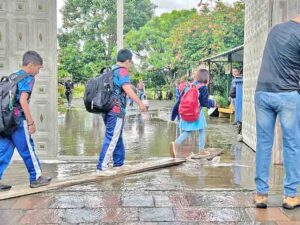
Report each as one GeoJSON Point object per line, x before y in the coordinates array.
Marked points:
{"type": "Point", "coordinates": [113, 145]}
{"type": "Point", "coordinates": [69, 86]}
{"type": "Point", "coordinates": [21, 136]}
{"type": "Point", "coordinates": [141, 89]}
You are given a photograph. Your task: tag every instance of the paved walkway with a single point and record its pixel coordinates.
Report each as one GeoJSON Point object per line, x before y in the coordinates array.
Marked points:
{"type": "Point", "coordinates": [158, 197]}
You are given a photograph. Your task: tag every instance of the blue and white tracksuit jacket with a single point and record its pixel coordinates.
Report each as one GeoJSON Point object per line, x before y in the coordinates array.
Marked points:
{"type": "Point", "coordinates": [21, 139]}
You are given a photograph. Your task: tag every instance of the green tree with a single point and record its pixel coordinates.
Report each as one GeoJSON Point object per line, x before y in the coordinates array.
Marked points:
{"type": "Point", "coordinates": [70, 62]}
{"type": "Point", "coordinates": [153, 44]}
{"type": "Point", "coordinates": [89, 33]}
{"type": "Point", "coordinates": [209, 33]}
{"type": "Point", "coordinates": [177, 41]}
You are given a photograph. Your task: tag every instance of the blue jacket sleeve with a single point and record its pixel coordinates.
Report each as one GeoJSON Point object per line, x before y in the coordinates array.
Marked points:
{"type": "Point", "coordinates": [177, 93]}
{"type": "Point", "coordinates": [175, 109]}
{"type": "Point", "coordinates": [203, 98]}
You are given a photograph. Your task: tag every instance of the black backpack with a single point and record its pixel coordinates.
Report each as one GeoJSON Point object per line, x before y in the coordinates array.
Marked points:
{"type": "Point", "coordinates": [8, 91]}
{"type": "Point", "coordinates": [69, 85]}
{"type": "Point", "coordinates": [98, 93]}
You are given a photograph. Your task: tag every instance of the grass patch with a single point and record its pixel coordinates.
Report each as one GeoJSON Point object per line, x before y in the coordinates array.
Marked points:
{"type": "Point", "coordinates": [78, 91]}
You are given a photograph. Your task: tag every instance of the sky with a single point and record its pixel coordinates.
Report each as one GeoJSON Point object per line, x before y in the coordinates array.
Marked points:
{"type": "Point", "coordinates": [163, 6]}
{"type": "Point", "coordinates": [169, 5]}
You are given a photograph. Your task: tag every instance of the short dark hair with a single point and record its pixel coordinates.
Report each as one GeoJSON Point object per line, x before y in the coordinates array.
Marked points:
{"type": "Point", "coordinates": [123, 55]}
{"type": "Point", "coordinates": [32, 57]}
{"type": "Point", "coordinates": [203, 76]}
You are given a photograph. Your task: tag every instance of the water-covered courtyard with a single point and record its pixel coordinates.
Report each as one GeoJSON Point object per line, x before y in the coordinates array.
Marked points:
{"type": "Point", "coordinates": [218, 191]}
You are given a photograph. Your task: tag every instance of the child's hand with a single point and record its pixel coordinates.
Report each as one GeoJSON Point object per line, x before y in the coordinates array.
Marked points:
{"type": "Point", "coordinates": [143, 108]}
{"type": "Point", "coordinates": [31, 128]}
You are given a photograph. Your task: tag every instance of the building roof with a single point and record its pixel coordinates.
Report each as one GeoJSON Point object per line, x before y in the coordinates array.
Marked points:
{"type": "Point", "coordinates": [235, 55]}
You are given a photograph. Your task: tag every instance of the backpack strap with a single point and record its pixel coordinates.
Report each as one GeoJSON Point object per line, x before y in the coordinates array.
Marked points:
{"type": "Point", "coordinates": [198, 86]}
{"type": "Point", "coordinates": [17, 77]}
{"type": "Point", "coordinates": [112, 72]}
{"type": "Point", "coordinates": [186, 88]}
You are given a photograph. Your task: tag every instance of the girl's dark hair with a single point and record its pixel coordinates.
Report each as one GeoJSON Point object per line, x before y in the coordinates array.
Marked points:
{"type": "Point", "coordinates": [123, 55]}
{"type": "Point", "coordinates": [203, 76]}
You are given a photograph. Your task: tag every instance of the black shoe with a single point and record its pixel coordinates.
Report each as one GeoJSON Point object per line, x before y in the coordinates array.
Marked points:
{"type": "Point", "coordinates": [4, 187]}
{"type": "Point", "coordinates": [41, 181]}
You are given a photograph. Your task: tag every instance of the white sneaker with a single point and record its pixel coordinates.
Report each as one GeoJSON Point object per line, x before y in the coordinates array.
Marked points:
{"type": "Point", "coordinates": [123, 167]}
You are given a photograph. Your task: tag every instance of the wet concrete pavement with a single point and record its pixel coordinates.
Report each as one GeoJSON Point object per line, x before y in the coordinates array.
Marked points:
{"type": "Point", "coordinates": [197, 192]}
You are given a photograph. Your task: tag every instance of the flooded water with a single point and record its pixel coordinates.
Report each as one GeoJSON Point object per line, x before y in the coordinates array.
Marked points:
{"type": "Point", "coordinates": [147, 137]}
{"type": "Point", "coordinates": [81, 134]}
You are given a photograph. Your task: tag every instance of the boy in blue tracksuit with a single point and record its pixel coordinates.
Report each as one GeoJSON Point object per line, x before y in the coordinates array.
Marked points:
{"type": "Point", "coordinates": [21, 137]}
{"type": "Point", "coordinates": [113, 145]}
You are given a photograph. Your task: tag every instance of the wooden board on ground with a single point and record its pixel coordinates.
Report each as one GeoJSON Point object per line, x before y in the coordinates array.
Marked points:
{"type": "Point", "coordinates": [21, 190]}
{"type": "Point", "coordinates": [214, 152]}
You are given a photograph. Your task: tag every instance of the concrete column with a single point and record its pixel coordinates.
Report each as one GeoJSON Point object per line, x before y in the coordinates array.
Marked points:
{"type": "Point", "coordinates": [31, 25]}
{"type": "Point", "coordinates": [120, 23]}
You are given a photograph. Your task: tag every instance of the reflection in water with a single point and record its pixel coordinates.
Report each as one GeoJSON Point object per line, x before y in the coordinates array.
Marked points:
{"type": "Point", "coordinates": [147, 136]}
{"type": "Point", "coordinates": [81, 134]}
{"type": "Point", "coordinates": [236, 152]}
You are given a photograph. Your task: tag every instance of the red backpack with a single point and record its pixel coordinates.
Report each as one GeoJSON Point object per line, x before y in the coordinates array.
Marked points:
{"type": "Point", "coordinates": [189, 107]}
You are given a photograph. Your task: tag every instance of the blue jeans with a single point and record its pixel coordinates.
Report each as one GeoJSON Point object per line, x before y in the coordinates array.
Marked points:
{"type": "Point", "coordinates": [141, 94]}
{"type": "Point", "coordinates": [285, 105]}
{"type": "Point", "coordinates": [185, 134]}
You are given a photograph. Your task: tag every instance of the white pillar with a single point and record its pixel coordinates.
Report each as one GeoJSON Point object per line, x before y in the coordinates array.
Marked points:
{"type": "Point", "coordinates": [120, 23]}
{"type": "Point", "coordinates": [31, 25]}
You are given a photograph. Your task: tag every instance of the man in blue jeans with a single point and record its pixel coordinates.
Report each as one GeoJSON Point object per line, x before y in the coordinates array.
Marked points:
{"type": "Point", "coordinates": [277, 95]}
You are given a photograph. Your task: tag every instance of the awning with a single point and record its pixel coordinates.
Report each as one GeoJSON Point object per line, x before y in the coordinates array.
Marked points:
{"type": "Point", "coordinates": [234, 55]}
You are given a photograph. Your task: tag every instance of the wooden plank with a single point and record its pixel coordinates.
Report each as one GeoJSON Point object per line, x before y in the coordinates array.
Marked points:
{"type": "Point", "coordinates": [214, 152]}
{"type": "Point", "coordinates": [21, 190]}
